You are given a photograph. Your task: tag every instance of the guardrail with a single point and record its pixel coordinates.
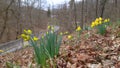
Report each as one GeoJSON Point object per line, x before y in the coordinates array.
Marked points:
{"type": "Point", "coordinates": [11, 46]}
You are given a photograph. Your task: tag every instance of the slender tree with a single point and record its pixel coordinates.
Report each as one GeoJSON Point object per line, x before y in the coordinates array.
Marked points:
{"type": "Point", "coordinates": [102, 4]}
{"type": "Point", "coordinates": [96, 8]}
{"type": "Point", "coordinates": [82, 14]}
{"type": "Point", "coordinates": [5, 18]}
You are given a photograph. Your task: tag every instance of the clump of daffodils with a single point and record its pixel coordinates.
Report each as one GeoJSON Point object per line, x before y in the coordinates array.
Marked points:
{"type": "Point", "coordinates": [99, 21]}
{"type": "Point", "coordinates": [27, 35]}
{"type": "Point", "coordinates": [45, 48]}
{"type": "Point", "coordinates": [101, 25]}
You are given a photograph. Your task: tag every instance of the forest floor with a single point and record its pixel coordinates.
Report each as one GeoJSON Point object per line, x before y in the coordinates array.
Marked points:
{"type": "Point", "coordinates": [90, 51]}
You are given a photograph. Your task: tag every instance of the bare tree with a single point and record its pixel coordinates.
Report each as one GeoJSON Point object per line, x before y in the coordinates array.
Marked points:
{"type": "Point", "coordinates": [82, 12]}
{"type": "Point", "coordinates": [96, 8]}
{"type": "Point", "coordinates": [102, 8]}
{"type": "Point", "coordinates": [73, 11]}
{"type": "Point", "coordinates": [5, 18]}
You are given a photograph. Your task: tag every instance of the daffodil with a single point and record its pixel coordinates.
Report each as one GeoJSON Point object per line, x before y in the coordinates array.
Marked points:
{"type": "Point", "coordinates": [52, 28]}
{"type": "Point", "coordinates": [26, 38]}
{"type": "Point", "coordinates": [108, 19]}
{"type": "Point", "coordinates": [1, 51]}
{"type": "Point", "coordinates": [105, 20]}
{"type": "Point", "coordinates": [100, 22]}
{"type": "Point", "coordinates": [61, 33]}
{"type": "Point", "coordinates": [97, 19]}
{"type": "Point", "coordinates": [100, 19]}
{"type": "Point", "coordinates": [93, 24]}
{"type": "Point", "coordinates": [25, 31]}
{"type": "Point", "coordinates": [23, 35]}
{"type": "Point", "coordinates": [96, 23]}
{"type": "Point", "coordinates": [66, 32]}
{"type": "Point", "coordinates": [29, 31]}
{"type": "Point", "coordinates": [69, 37]}
{"type": "Point", "coordinates": [78, 28]}
{"type": "Point", "coordinates": [49, 27]}
{"type": "Point", "coordinates": [35, 38]}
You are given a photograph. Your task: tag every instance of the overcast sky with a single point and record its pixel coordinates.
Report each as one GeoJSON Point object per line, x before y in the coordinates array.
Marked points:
{"type": "Point", "coordinates": [55, 2]}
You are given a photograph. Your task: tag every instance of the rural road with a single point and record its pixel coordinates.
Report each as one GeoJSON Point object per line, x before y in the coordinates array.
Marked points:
{"type": "Point", "coordinates": [18, 44]}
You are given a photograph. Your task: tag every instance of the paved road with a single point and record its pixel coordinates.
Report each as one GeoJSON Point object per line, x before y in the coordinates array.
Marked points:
{"type": "Point", "coordinates": [18, 44]}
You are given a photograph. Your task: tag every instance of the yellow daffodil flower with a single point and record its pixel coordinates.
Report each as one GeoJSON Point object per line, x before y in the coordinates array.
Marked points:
{"type": "Point", "coordinates": [52, 28]}
{"type": "Point", "coordinates": [105, 20]}
{"type": "Point", "coordinates": [61, 33]}
{"type": "Point", "coordinates": [92, 26]}
{"type": "Point", "coordinates": [27, 38]}
{"type": "Point", "coordinates": [97, 19]}
{"type": "Point", "coordinates": [100, 22]}
{"type": "Point", "coordinates": [78, 28]}
{"type": "Point", "coordinates": [66, 32]}
{"type": "Point", "coordinates": [35, 38]}
{"type": "Point", "coordinates": [23, 35]}
{"type": "Point", "coordinates": [96, 23]}
{"type": "Point", "coordinates": [49, 27]}
{"type": "Point", "coordinates": [25, 31]}
{"type": "Point", "coordinates": [108, 19]}
{"type": "Point", "coordinates": [29, 31]}
{"type": "Point", "coordinates": [1, 51]}
{"type": "Point", "coordinates": [100, 18]}
{"type": "Point", "coordinates": [69, 37]}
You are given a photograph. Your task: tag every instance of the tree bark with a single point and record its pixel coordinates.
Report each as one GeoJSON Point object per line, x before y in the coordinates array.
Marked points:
{"type": "Point", "coordinates": [5, 19]}
{"type": "Point", "coordinates": [82, 13]}
{"type": "Point", "coordinates": [103, 2]}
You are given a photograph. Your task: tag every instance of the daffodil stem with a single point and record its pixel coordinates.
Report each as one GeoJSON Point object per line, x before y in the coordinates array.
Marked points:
{"type": "Point", "coordinates": [79, 35]}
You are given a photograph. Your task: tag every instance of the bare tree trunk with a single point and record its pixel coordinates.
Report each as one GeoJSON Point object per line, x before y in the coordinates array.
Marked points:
{"type": "Point", "coordinates": [19, 24]}
{"type": "Point", "coordinates": [82, 13]}
{"type": "Point", "coordinates": [5, 22]}
{"type": "Point", "coordinates": [102, 4]}
{"type": "Point", "coordinates": [75, 15]}
{"type": "Point", "coordinates": [96, 8]}
{"type": "Point", "coordinates": [116, 8]}
{"type": "Point", "coordinates": [86, 11]}
{"type": "Point", "coordinates": [5, 19]}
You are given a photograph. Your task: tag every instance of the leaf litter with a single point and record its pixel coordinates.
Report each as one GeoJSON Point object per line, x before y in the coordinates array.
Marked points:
{"type": "Point", "coordinates": [91, 51]}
